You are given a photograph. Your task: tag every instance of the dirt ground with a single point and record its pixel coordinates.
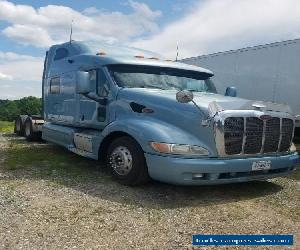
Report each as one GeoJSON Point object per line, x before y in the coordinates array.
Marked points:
{"type": "Point", "coordinates": [52, 199]}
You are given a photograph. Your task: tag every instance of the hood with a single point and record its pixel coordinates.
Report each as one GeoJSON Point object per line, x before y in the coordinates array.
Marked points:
{"type": "Point", "coordinates": [210, 103]}
{"type": "Point", "coordinates": [215, 103]}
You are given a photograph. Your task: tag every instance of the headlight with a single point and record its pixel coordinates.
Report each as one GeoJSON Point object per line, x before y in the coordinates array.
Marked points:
{"type": "Point", "coordinates": [293, 148]}
{"type": "Point", "coordinates": [180, 149]}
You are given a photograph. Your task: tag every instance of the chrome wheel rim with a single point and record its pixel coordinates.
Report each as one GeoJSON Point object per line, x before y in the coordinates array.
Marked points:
{"type": "Point", "coordinates": [27, 129]}
{"type": "Point", "coordinates": [120, 160]}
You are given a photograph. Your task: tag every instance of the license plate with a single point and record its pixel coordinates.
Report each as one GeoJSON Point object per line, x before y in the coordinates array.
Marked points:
{"type": "Point", "coordinates": [261, 165]}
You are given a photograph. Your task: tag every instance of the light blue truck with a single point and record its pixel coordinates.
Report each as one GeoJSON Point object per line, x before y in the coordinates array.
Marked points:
{"type": "Point", "coordinates": [148, 117]}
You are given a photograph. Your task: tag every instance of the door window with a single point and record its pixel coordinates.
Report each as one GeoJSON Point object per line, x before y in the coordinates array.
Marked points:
{"type": "Point", "coordinates": [103, 85]}
{"type": "Point", "coordinates": [99, 82]}
{"type": "Point", "coordinates": [93, 79]}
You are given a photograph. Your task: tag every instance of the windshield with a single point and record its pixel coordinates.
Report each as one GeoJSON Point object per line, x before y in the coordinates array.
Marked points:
{"type": "Point", "coordinates": [136, 76]}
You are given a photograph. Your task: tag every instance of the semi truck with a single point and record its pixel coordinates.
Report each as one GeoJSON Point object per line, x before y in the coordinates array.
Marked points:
{"type": "Point", "coordinates": [267, 72]}
{"type": "Point", "coordinates": [149, 117]}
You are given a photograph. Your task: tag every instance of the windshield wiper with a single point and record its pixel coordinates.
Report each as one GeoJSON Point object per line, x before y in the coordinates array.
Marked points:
{"type": "Point", "coordinates": [150, 87]}
{"type": "Point", "coordinates": [174, 86]}
{"type": "Point", "coordinates": [193, 90]}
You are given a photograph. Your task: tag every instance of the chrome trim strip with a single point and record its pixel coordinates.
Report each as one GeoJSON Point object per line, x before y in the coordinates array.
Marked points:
{"type": "Point", "coordinates": [263, 137]}
{"type": "Point", "coordinates": [280, 136]}
{"type": "Point", "coordinates": [293, 135]}
{"type": "Point", "coordinates": [244, 135]}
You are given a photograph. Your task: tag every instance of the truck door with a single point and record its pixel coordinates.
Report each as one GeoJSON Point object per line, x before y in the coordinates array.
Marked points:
{"type": "Point", "coordinates": [92, 111]}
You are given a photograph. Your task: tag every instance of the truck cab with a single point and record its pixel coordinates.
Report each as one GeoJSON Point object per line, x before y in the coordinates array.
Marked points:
{"type": "Point", "coordinates": [148, 117]}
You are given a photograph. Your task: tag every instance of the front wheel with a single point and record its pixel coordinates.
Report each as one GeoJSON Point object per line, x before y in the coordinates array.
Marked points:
{"type": "Point", "coordinates": [126, 160]}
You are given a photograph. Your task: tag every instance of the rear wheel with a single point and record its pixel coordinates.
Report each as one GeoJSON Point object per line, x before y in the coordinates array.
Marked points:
{"type": "Point", "coordinates": [28, 130]}
{"type": "Point", "coordinates": [126, 160]}
{"type": "Point", "coordinates": [19, 128]}
{"type": "Point", "coordinates": [30, 134]}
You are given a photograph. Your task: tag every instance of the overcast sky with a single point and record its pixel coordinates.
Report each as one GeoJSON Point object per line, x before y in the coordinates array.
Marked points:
{"type": "Point", "coordinates": [28, 28]}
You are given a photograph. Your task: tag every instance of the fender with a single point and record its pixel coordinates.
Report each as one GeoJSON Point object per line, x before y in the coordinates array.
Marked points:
{"type": "Point", "coordinates": [147, 130]}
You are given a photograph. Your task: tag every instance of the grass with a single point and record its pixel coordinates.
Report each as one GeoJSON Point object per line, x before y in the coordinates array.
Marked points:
{"type": "Point", "coordinates": [6, 127]}
{"type": "Point", "coordinates": [51, 162]}
{"type": "Point", "coordinates": [296, 174]}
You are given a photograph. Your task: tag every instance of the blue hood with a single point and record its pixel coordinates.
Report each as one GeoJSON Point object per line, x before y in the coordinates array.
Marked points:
{"type": "Point", "coordinates": [183, 120]}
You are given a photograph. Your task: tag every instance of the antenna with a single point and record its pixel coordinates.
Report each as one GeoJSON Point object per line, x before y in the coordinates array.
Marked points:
{"type": "Point", "coordinates": [71, 33]}
{"type": "Point", "coordinates": [176, 52]}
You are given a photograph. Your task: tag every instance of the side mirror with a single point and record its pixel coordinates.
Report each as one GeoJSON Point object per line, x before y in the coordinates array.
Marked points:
{"type": "Point", "coordinates": [231, 91]}
{"type": "Point", "coordinates": [83, 85]}
{"type": "Point", "coordinates": [184, 96]}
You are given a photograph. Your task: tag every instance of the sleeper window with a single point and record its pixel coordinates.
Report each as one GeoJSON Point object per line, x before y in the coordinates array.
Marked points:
{"type": "Point", "coordinates": [61, 53]}
{"type": "Point", "coordinates": [55, 85]}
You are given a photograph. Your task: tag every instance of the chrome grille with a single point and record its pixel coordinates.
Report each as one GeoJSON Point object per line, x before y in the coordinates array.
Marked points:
{"type": "Point", "coordinates": [272, 135]}
{"type": "Point", "coordinates": [287, 134]}
{"type": "Point", "coordinates": [252, 135]}
{"type": "Point", "coordinates": [254, 132]}
{"type": "Point", "coordinates": [233, 134]}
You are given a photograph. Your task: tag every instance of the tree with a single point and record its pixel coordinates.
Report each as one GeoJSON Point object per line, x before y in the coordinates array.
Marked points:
{"type": "Point", "coordinates": [30, 105]}
{"type": "Point", "coordinates": [9, 110]}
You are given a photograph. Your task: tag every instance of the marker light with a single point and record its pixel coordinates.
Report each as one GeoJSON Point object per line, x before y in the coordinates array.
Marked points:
{"type": "Point", "coordinates": [154, 58]}
{"type": "Point", "coordinates": [102, 53]}
{"type": "Point", "coordinates": [180, 149]}
{"type": "Point", "coordinates": [169, 60]}
{"type": "Point", "coordinates": [198, 176]}
{"type": "Point", "coordinates": [147, 110]}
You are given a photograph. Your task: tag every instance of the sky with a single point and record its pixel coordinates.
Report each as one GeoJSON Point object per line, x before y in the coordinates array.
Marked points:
{"type": "Point", "coordinates": [28, 28]}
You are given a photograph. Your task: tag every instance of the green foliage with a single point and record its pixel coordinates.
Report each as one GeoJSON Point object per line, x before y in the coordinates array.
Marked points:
{"type": "Point", "coordinates": [6, 127]}
{"type": "Point", "coordinates": [9, 110]}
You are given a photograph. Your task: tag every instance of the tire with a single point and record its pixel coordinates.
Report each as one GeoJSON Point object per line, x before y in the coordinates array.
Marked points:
{"type": "Point", "coordinates": [30, 135]}
{"type": "Point", "coordinates": [132, 169]}
{"type": "Point", "coordinates": [19, 126]}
